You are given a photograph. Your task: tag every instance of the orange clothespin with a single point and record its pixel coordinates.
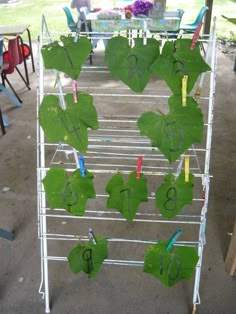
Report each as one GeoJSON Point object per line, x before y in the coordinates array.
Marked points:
{"type": "Point", "coordinates": [139, 167]}
{"type": "Point", "coordinates": [184, 90]}
{"type": "Point", "coordinates": [74, 88]}
{"type": "Point", "coordinates": [186, 168]}
{"type": "Point", "coordinates": [196, 35]}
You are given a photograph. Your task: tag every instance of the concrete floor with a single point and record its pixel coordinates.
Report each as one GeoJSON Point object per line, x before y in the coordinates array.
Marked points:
{"type": "Point", "coordinates": [116, 290]}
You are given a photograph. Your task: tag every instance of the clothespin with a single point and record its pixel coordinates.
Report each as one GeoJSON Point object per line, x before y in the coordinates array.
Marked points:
{"type": "Point", "coordinates": [139, 167]}
{"type": "Point", "coordinates": [74, 88]}
{"type": "Point", "coordinates": [173, 239]}
{"type": "Point", "coordinates": [81, 166]}
{"type": "Point", "coordinates": [196, 36]}
{"type": "Point", "coordinates": [186, 168]}
{"type": "Point", "coordinates": [184, 90]}
{"type": "Point", "coordinates": [198, 92]}
{"type": "Point", "coordinates": [92, 236]}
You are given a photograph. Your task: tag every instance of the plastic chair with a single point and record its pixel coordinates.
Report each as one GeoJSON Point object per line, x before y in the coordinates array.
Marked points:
{"type": "Point", "coordinates": [2, 125]}
{"type": "Point", "coordinates": [86, 26]}
{"type": "Point", "coordinates": [4, 122]}
{"type": "Point", "coordinates": [11, 58]}
{"type": "Point", "coordinates": [70, 20]}
{"type": "Point", "coordinates": [173, 34]}
{"type": "Point", "coordinates": [190, 28]}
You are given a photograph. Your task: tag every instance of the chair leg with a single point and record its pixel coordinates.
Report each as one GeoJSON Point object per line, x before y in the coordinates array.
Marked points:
{"type": "Point", "coordinates": [4, 78]}
{"type": "Point", "coordinates": [7, 234]}
{"type": "Point", "coordinates": [2, 123]}
{"type": "Point", "coordinates": [24, 80]}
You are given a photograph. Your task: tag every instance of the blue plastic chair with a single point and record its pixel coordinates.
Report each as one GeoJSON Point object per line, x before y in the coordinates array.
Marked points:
{"type": "Point", "coordinates": [190, 28]}
{"type": "Point", "coordinates": [70, 20]}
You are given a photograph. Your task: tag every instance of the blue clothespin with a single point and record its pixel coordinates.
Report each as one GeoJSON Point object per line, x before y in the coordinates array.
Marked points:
{"type": "Point", "coordinates": [81, 166]}
{"type": "Point", "coordinates": [92, 236]}
{"type": "Point", "coordinates": [173, 239]}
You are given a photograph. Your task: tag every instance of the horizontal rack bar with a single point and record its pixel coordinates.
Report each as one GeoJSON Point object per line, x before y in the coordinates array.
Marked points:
{"type": "Point", "coordinates": [118, 219]}
{"type": "Point", "coordinates": [106, 171]}
{"type": "Point", "coordinates": [105, 196]}
{"type": "Point", "coordinates": [105, 262]}
{"type": "Point", "coordinates": [70, 237]}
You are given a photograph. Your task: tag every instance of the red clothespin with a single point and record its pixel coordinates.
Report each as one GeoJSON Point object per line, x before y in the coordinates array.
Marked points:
{"type": "Point", "coordinates": [74, 88]}
{"type": "Point", "coordinates": [139, 167]}
{"type": "Point", "coordinates": [196, 35]}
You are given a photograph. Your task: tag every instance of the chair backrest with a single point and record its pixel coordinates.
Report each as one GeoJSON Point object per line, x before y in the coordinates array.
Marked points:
{"type": "Point", "coordinates": [200, 15]}
{"type": "Point", "coordinates": [70, 20]}
{"type": "Point", "coordinates": [11, 56]}
{"type": "Point", "coordinates": [181, 12]}
{"type": "Point", "coordinates": [83, 11]}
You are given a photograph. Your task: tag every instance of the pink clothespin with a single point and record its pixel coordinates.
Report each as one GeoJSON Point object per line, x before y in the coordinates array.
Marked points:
{"type": "Point", "coordinates": [139, 167]}
{"type": "Point", "coordinates": [196, 35]}
{"type": "Point", "coordinates": [74, 88]}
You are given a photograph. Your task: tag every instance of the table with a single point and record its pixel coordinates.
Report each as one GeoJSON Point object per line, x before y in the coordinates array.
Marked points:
{"type": "Point", "coordinates": [165, 24]}
{"type": "Point", "coordinates": [14, 30]}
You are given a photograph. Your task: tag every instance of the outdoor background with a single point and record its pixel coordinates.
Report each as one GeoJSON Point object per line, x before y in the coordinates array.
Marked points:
{"type": "Point", "coordinates": [30, 12]}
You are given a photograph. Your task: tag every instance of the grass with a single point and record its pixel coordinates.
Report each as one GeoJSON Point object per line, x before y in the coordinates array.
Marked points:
{"type": "Point", "coordinates": [30, 12]}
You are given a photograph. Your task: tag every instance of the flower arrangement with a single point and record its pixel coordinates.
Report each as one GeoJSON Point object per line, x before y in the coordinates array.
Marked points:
{"type": "Point", "coordinates": [141, 7]}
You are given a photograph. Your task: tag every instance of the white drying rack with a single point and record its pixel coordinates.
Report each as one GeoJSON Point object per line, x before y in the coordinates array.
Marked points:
{"type": "Point", "coordinates": [116, 146]}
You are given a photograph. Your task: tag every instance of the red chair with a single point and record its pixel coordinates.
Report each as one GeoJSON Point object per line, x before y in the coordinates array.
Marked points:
{"type": "Point", "coordinates": [11, 58]}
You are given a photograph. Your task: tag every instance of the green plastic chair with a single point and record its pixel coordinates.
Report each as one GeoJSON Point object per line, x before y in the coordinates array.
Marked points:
{"type": "Point", "coordinates": [70, 20]}
{"type": "Point", "coordinates": [190, 28]}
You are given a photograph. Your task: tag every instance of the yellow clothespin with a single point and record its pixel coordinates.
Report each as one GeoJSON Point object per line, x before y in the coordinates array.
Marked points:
{"type": "Point", "coordinates": [186, 168]}
{"type": "Point", "coordinates": [198, 93]}
{"type": "Point", "coordinates": [184, 90]}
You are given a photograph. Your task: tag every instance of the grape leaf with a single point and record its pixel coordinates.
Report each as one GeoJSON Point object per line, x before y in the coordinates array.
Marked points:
{"type": "Point", "coordinates": [178, 60]}
{"type": "Point", "coordinates": [126, 196]}
{"type": "Point", "coordinates": [68, 193]}
{"type": "Point", "coordinates": [70, 125]}
{"type": "Point", "coordinates": [66, 56]}
{"type": "Point", "coordinates": [131, 65]}
{"type": "Point", "coordinates": [175, 132]}
{"type": "Point", "coordinates": [170, 266]}
{"type": "Point", "coordinates": [88, 258]}
{"type": "Point", "coordinates": [172, 195]}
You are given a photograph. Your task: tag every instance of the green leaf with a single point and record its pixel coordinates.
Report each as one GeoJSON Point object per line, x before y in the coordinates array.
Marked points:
{"type": "Point", "coordinates": [178, 60]}
{"type": "Point", "coordinates": [68, 193]}
{"type": "Point", "coordinates": [70, 125]}
{"type": "Point", "coordinates": [66, 56]}
{"type": "Point", "coordinates": [88, 258]}
{"type": "Point", "coordinates": [172, 195]}
{"type": "Point", "coordinates": [175, 132]}
{"type": "Point", "coordinates": [126, 196]}
{"type": "Point", "coordinates": [131, 65]}
{"type": "Point", "coordinates": [170, 266]}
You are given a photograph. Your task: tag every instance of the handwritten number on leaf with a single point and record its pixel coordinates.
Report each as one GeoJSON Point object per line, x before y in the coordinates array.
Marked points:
{"type": "Point", "coordinates": [174, 194]}
{"type": "Point", "coordinates": [127, 197]}
{"type": "Point", "coordinates": [70, 193]}
{"type": "Point", "coordinates": [71, 130]}
{"type": "Point", "coordinates": [174, 134]}
{"type": "Point", "coordinates": [69, 196]}
{"type": "Point", "coordinates": [133, 67]}
{"type": "Point", "coordinates": [87, 257]}
{"type": "Point", "coordinates": [171, 197]}
{"type": "Point", "coordinates": [173, 270]}
{"type": "Point", "coordinates": [172, 266]}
